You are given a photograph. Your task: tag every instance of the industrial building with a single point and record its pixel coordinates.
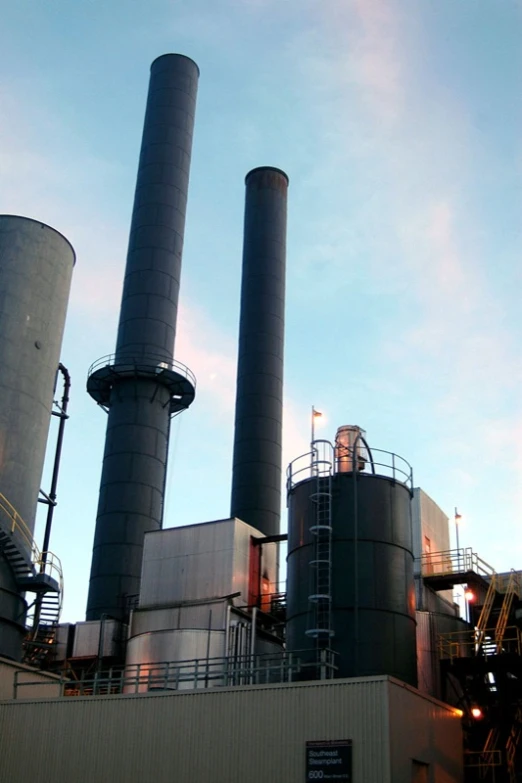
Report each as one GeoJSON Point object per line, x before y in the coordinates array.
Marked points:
{"type": "Point", "coordinates": [193, 662]}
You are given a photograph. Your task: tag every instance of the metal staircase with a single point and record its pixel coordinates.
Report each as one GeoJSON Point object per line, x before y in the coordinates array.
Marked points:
{"type": "Point", "coordinates": [482, 623]}
{"type": "Point", "coordinates": [512, 592]}
{"type": "Point", "coordinates": [36, 572]}
{"type": "Point", "coordinates": [320, 597]}
{"type": "Point", "coordinates": [489, 756]}
{"type": "Point", "coordinates": [512, 744]}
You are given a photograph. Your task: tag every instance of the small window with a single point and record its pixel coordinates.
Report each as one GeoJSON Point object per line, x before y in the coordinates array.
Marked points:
{"type": "Point", "coordinates": [420, 772]}
{"type": "Point", "coordinates": [427, 545]}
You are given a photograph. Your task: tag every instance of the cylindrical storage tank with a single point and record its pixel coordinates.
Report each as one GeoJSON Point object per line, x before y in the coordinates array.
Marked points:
{"type": "Point", "coordinates": [372, 587]}
{"type": "Point", "coordinates": [36, 264]}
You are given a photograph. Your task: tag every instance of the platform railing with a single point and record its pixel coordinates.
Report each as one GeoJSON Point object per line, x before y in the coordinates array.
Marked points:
{"type": "Point", "coordinates": [463, 644]}
{"type": "Point", "coordinates": [484, 762]}
{"type": "Point", "coordinates": [148, 362]}
{"type": "Point", "coordinates": [191, 674]}
{"type": "Point", "coordinates": [380, 463]}
{"type": "Point", "coordinates": [454, 561]}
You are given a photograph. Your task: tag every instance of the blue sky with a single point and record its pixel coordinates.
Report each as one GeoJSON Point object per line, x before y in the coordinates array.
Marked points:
{"type": "Point", "coordinates": [398, 122]}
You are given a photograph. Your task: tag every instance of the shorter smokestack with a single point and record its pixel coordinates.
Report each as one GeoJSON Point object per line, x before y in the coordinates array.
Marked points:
{"type": "Point", "coordinates": [256, 476]}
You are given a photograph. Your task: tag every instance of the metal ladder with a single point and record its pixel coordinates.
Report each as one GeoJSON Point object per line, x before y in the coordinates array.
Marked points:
{"type": "Point", "coordinates": [320, 597]}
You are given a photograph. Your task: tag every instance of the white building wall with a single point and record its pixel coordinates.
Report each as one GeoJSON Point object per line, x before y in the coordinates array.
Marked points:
{"type": "Point", "coordinates": [12, 672]}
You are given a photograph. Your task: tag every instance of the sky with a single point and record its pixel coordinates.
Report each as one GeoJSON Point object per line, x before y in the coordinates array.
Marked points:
{"type": "Point", "coordinates": [398, 123]}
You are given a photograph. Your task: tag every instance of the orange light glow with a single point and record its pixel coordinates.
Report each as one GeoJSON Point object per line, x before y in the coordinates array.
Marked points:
{"type": "Point", "coordinates": [469, 595]}
{"type": "Point", "coordinates": [459, 713]}
{"type": "Point", "coordinates": [476, 712]}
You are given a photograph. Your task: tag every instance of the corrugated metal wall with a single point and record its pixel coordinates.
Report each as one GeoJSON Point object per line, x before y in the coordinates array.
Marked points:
{"type": "Point", "coordinates": [427, 731]}
{"type": "Point", "coordinates": [430, 625]}
{"type": "Point", "coordinates": [239, 735]}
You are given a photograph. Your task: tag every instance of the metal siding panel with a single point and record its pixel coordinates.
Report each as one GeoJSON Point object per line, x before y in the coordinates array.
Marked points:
{"type": "Point", "coordinates": [425, 673]}
{"type": "Point", "coordinates": [199, 562]}
{"type": "Point", "coordinates": [177, 645]}
{"type": "Point", "coordinates": [170, 618]}
{"type": "Point", "coordinates": [188, 563]}
{"type": "Point", "coordinates": [424, 729]}
{"type": "Point", "coordinates": [205, 736]}
{"type": "Point", "coordinates": [87, 638]}
{"type": "Point", "coordinates": [431, 523]}
{"type": "Point", "coordinates": [147, 620]}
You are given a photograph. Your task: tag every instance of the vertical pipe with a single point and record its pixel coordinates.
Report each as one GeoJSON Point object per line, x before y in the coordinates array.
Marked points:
{"type": "Point", "coordinates": [63, 416]}
{"type": "Point", "coordinates": [256, 478]}
{"type": "Point", "coordinates": [141, 388]}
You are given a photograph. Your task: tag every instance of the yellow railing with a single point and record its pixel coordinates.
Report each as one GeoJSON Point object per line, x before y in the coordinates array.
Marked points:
{"type": "Point", "coordinates": [487, 606]}
{"type": "Point", "coordinates": [513, 742]}
{"type": "Point", "coordinates": [463, 644]}
{"type": "Point", "coordinates": [511, 590]}
{"type": "Point", "coordinates": [454, 561]}
{"type": "Point", "coordinates": [14, 524]}
{"type": "Point", "coordinates": [483, 761]}
{"type": "Point", "coordinates": [43, 562]}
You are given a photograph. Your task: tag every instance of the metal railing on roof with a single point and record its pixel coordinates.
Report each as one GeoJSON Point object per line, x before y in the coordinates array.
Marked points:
{"type": "Point", "coordinates": [380, 463]}
{"type": "Point", "coordinates": [193, 674]}
{"type": "Point", "coordinates": [454, 561]}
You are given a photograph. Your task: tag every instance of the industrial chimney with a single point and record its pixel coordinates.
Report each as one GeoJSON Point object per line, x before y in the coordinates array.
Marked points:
{"type": "Point", "coordinates": [36, 266]}
{"type": "Point", "coordinates": [141, 386]}
{"type": "Point", "coordinates": [256, 477]}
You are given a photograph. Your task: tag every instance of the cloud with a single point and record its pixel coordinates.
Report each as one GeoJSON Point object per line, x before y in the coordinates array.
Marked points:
{"type": "Point", "coordinates": [210, 352]}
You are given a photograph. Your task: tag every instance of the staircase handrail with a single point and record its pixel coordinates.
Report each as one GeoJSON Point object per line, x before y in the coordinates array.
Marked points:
{"type": "Point", "coordinates": [17, 525]}
{"type": "Point", "coordinates": [511, 589]}
{"type": "Point", "coordinates": [43, 562]}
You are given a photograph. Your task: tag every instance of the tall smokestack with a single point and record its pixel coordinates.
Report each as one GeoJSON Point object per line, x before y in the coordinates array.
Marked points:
{"type": "Point", "coordinates": [256, 477]}
{"type": "Point", "coordinates": [140, 386]}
